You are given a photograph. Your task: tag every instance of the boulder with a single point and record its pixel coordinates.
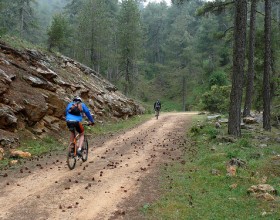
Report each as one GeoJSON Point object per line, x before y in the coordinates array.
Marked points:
{"type": "Point", "coordinates": [35, 111]}
{"type": "Point", "coordinates": [8, 119]}
{"type": "Point", "coordinates": [1, 153]}
{"type": "Point", "coordinates": [47, 73]}
{"type": "Point", "coordinates": [231, 170]}
{"type": "Point", "coordinates": [8, 139]}
{"type": "Point", "coordinates": [262, 188]}
{"type": "Point", "coordinates": [218, 125]}
{"type": "Point", "coordinates": [39, 83]}
{"type": "Point", "coordinates": [20, 154]}
{"type": "Point", "coordinates": [250, 120]}
{"type": "Point", "coordinates": [13, 162]}
{"type": "Point", "coordinates": [223, 121]}
{"type": "Point", "coordinates": [5, 81]}
{"type": "Point", "coordinates": [57, 105]}
{"type": "Point", "coordinates": [213, 117]}
{"type": "Point", "coordinates": [265, 196]}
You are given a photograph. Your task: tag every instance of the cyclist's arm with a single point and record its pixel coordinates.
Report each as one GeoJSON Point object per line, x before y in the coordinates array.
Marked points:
{"type": "Point", "coordinates": [87, 112]}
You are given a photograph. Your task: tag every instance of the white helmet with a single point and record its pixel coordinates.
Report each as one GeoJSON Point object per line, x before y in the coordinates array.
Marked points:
{"type": "Point", "coordinates": [77, 99]}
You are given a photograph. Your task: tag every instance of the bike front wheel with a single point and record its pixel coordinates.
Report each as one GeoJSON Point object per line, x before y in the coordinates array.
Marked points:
{"type": "Point", "coordinates": [71, 158]}
{"type": "Point", "coordinates": [85, 150]}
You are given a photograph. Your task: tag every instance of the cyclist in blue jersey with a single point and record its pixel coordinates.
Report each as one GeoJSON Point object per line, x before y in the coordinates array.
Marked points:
{"type": "Point", "coordinates": [74, 116]}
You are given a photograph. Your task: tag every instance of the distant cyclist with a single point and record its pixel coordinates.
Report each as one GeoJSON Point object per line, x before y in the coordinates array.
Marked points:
{"type": "Point", "coordinates": [74, 116]}
{"type": "Point", "coordinates": [157, 107]}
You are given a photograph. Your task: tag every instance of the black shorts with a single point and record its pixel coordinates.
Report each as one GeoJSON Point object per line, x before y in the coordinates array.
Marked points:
{"type": "Point", "coordinates": [75, 125]}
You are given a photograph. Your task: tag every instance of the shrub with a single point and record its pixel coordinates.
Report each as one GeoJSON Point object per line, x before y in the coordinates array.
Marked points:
{"type": "Point", "coordinates": [218, 78]}
{"type": "Point", "coordinates": [217, 99]}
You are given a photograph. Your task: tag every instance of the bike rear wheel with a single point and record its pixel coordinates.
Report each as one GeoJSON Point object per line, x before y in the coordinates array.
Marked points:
{"type": "Point", "coordinates": [85, 150]}
{"type": "Point", "coordinates": [71, 158]}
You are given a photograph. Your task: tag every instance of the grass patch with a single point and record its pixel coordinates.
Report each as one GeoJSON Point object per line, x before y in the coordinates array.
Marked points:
{"type": "Point", "coordinates": [112, 127]}
{"type": "Point", "coordinates": [194, 191]}
{"type": "Point", "coordinates": [20, 44]}
{"type": "Point", "coordinates": [42, 146]}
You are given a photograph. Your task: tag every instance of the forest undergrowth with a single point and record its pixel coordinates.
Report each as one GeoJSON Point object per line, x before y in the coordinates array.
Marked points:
{"type": "Point", "coordinates": [203, 187]}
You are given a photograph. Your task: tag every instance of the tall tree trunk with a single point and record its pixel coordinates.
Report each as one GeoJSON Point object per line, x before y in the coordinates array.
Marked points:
{"type": "Point", "coordinates": [251, 64]}
{"type": "Point", "coordinates": [21, 12]}
{"type": "Point", "coordinates": [127, 77]}
{"type": "Point", "coordinates": [184, 93]}
{"type": "Point", "coordinates": [238, 67]}
{"type": "Point", "coordinates": [267, 67]}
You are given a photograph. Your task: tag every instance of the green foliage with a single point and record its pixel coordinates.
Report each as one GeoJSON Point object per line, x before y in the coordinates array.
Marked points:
{"type": "Point", "coordinates": [217, 99]}
{"type": "Point", "coordinates": [58, 33]}
{"type": "Point", "coordinates": [218, 78]}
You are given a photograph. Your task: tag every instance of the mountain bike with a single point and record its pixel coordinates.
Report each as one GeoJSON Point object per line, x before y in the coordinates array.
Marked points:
{"type": "Point", "coordinates": [72, 155]}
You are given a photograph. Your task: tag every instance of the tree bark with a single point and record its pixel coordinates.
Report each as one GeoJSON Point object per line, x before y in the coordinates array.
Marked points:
{"type": "Point", "coordinates": [267, 67]}
{"type": "Point", "coordinates": [184, 93]}
{"type": "Point", "coordinates": [234, 127]}
{"type": "Point", "coordinates": [251, 63]}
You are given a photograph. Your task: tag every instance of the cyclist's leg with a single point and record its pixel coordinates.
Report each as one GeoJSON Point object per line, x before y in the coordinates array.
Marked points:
{"type": "Point", "coordinates": [71, 127]}
{"type": "Point", "coordinates": [79, 127]}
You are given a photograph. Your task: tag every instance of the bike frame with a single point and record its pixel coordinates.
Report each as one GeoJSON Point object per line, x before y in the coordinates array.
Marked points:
{"type": "Point", "coordinates": [76, 138]}
{"type": "Point", "coordinates": [75, 141]}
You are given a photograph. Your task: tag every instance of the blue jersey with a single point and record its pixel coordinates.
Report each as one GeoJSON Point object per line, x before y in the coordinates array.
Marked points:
{"type": "Point", "coordinates": [70, 117]}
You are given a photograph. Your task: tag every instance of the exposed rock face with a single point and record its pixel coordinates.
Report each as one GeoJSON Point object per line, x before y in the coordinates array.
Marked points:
{"type": "Point", "coordinates": [35, 89]}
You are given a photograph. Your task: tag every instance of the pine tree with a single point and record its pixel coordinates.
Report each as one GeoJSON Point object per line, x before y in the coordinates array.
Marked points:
{"type": "Point", "coordinates": [251, 63]}
{"type": "Point", "coordinates": [234, 127]}
{"type": "Point", "coordinates": [58, 33]}
{"type": "Point", "coordinates": [267, 67]}
{"type": "Point", "coordinates": [130, 36]}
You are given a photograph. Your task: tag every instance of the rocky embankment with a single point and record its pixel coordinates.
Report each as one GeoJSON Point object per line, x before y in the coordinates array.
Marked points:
{"type": "Point", "coordinates": [35, 88]}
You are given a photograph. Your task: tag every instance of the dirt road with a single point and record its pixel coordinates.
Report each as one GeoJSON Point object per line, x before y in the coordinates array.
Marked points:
{"type": "Point", "coordinates": [114, 183]}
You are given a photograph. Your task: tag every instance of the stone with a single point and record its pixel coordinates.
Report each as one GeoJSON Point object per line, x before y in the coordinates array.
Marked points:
{"type": "Point", "coordinates": [233, 186]}
{"type": "Point", "coordinates": [213, 117]}
{"type": "Point", "coordinates": [215, 172]}
{"type": "Point", "coordinates": [250, 120]}
{"type": "Point", "coordinates": [2, 153]}
{"type": "Point", "coordinates": [8, 120]}
{"type": "Point", "coordinates": [223, 121]}
{"type": "Point", "coordinates": [218, 125]}
{"type": "Point", "coordinates": [8, 139]}
{"type": "Point", "coordinates": [39, 83]}
{"type": "Point", "coordinates": [265, 196]}
{"type": "Point", "coordinates": [20, 154]}
{"type": "Point", "coordinates": [49, 74]}
{"type": "Point", "coordinates": [263, 145]}
{"type": "Point", "coordinates": [35, 111]}
{"type": "Point", "coordinates": [231, 170]}
{"type": "Point", "coordinates": [262, 188]}
{"type": "Point", "coordinates": [13, 162]}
